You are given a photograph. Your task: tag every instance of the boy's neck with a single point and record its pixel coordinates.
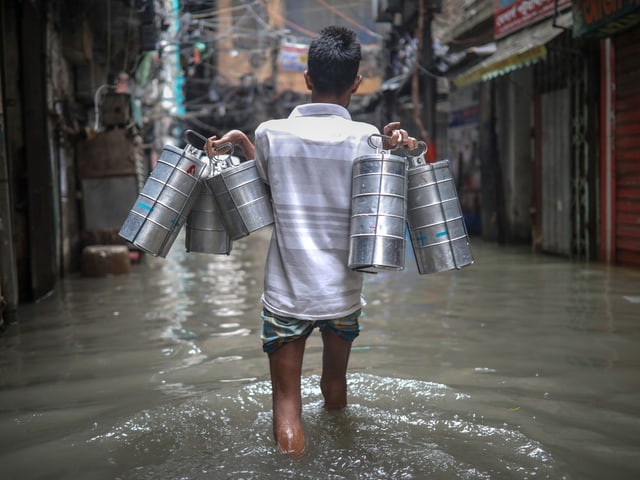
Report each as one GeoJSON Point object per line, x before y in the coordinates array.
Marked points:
{"type": "Point", "coordinates": [342, 100]}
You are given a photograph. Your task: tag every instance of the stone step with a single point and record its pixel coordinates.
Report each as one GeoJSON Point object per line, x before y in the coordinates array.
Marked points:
{"type": "Point", "coordinates": [102, 260]}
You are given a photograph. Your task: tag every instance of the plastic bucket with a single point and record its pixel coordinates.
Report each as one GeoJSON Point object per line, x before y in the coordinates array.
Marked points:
{"type": "Point", "coordinates": [436, 225]}
{"type": "Point", "coordinates": [378, 213]}
{"type": "Point", "coordinates": [165, 200]}
{"type": "Point", "coordinates": [243, 199]}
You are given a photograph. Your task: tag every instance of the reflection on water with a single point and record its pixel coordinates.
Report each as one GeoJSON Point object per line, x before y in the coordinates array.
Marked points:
{"type": "Point", "coordinates": [519, 366]}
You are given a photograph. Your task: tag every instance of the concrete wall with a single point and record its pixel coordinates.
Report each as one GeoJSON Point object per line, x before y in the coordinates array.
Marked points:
{"type": "Point", "coordinates": [59, 85]}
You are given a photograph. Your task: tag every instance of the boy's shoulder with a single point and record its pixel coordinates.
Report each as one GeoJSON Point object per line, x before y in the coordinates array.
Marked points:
{"type": "Point", "coordinates": [275, 124]}
{"type": "Point", "coordinates": [272, 123]}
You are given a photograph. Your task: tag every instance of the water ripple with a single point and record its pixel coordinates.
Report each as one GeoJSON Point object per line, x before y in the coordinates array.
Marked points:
{"type": "Point", "coordinates": [227, 434]}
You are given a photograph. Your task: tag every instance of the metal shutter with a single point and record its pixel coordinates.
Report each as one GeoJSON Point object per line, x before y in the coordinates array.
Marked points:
{"type": "Point", "coordinates": [627, 147]}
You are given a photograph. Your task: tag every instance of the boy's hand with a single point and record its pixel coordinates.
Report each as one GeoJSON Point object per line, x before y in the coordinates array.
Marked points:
{"type": "Point", "coordinates": [397, 137]}
{"type": "Point", "coordinates": [235, 137]}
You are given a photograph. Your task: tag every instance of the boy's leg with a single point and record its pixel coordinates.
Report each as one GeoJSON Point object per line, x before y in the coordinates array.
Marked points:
{"type": "Point", "coordinates": [285, 364]}
{"type": "Point", "coordinates": [335, 359]}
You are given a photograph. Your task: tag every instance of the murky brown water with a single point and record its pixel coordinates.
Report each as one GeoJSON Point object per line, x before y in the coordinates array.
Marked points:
{"type": "Point", "coordinates": [517, 367]}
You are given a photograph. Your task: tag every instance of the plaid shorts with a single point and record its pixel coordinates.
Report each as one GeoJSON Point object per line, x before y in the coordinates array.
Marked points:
{"type": "Point", "coordinates": [277, 330]}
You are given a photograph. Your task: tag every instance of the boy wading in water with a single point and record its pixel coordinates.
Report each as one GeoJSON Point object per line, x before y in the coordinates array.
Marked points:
{"type": "Point", "coordinates": [307, 159]}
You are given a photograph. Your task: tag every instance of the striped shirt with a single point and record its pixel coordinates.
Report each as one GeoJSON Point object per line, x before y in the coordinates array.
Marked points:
{"type": "Point", "coordinates": [307, 161]}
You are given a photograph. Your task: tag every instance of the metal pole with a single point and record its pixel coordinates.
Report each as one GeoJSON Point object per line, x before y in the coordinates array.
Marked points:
{"type": "Point", "coordinates": [428, 80]}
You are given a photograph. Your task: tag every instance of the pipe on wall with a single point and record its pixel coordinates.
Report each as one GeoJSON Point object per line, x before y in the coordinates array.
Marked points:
{"type": "Point", "coordinates": [607, 172]}
{"type": "Point", "coordinates": [8, 267]}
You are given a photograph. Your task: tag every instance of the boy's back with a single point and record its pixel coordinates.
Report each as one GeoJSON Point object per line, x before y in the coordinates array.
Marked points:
{"type": "Point", "coordinates": [307, 160]}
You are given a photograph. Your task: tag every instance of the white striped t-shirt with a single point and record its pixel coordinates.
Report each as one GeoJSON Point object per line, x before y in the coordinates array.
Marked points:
{"type": "Point", "coordinates": [307, 161]}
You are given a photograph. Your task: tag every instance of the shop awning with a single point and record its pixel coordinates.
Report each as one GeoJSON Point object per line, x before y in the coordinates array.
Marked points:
{"type": "Point", "coordinates": [516, 51]}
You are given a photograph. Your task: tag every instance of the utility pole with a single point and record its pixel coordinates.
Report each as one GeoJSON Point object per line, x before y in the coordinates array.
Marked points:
{"type": "Point", "coordinates": [427, 81]}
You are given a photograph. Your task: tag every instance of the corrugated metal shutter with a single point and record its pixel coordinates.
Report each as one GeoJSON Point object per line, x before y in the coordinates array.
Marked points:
{"type": "Point", "coordinates": [627, 147]}
{"type": "Point", "coordinates": [556, 173]}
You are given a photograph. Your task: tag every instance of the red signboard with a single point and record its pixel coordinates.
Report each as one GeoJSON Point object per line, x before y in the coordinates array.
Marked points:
{"type": "Point", "coordinates": [604, 17]}
{"type": "Point", "coordinates": [512, 15]}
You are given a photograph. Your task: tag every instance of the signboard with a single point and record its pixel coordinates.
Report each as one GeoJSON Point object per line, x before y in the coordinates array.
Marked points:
{"type": "Point", "coordinates": [604, 17]}
{"type": "Point", "coordinates": [503, 65]}
{"type": "Point", "coordinates": [512, 15]}
{"type": "Point", "coordinates": [293, 57]}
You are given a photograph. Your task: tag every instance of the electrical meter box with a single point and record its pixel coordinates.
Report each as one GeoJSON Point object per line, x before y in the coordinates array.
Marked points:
{"type": "Point", "coordinates": [115, 109]}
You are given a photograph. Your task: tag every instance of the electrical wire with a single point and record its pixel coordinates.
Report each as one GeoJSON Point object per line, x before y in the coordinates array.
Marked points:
{"type": "Point", "coordinates": [427, 72]}
{"type": "Point", "coordinates": [348, 19]}
{"type": "Point", "coordinates": [126, 49]}
{"type": "Point", "coordinates": [96, 106]}
{"type": "Point", "coordinates": [108, 36]}
{"type": "Point", "coordinates": [291, 24]}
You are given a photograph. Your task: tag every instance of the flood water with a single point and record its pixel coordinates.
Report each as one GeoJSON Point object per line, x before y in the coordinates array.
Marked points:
{"type": "Point", "coordinates": [520, 366]}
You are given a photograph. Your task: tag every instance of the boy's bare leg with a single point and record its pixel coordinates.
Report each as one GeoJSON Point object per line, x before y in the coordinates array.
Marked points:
{"type": "Point", "coordinates": [286, 368]}
{"type": "Point", "coordinates": [335, 359]}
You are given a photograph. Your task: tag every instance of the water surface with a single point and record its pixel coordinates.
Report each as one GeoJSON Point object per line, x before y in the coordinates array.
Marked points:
{"type": "Point", "coordinates": [520, 366]}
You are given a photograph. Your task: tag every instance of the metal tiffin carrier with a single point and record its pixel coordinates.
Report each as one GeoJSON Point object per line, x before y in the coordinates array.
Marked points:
{"type": "Point", "coordinates": [205, 230]}
{"type": "Point", "coordinates": [241, 195]}
{"type": "Point", "coordinates": [436, 224]}
{"type": "Point", "coordinates": [378, 211]}
{"type": "Point", "coordinates": [166, 199]}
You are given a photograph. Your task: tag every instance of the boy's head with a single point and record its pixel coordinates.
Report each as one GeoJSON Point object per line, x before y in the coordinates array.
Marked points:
{"type": "Point", "coordinates": [333, 61]}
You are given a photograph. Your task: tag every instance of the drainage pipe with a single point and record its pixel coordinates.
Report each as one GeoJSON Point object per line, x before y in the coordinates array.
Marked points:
{"type": "Point", "coordinates": [8, 267]}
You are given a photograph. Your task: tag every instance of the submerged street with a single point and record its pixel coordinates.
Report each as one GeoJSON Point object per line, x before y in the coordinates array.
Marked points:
{"type": "Point", "coordinates": [519, 366]}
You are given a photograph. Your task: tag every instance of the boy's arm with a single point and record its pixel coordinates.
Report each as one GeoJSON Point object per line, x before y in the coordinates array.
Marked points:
{"type": "Point", "coordinates": [235, 137]}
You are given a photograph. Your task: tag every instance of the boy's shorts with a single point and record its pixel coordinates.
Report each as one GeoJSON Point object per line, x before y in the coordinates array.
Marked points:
{"type": "Point", "coordinates": [277, 330]}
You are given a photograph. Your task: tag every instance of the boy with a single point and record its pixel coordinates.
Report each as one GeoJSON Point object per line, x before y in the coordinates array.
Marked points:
{"type": "Point", "coordinates": [307, 159]}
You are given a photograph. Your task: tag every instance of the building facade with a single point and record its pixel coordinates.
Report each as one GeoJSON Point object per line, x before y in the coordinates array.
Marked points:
{"type": "Point", "coordinates": [557, 125]}
{"type": "Point", "coordinates": [535, 105]}
{"type": "Point", "coordinates": [80, 86]}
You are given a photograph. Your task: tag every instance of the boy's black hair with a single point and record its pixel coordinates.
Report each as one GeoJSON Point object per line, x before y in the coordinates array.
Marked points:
{"type": "Point", "coordinates": [334, 60]}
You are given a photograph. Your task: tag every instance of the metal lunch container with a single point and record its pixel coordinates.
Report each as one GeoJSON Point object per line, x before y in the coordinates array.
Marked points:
{"type": "Point", "coordinates": [205, 231]}
{"type": "Point", "coordinates": [167, 197]}
{"type": "Point", "coordinates": [436, 225]}
{"type": "Point", "coordinates": [378, 213]}
{"type": "Point", "coordinates": [242, 197]}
